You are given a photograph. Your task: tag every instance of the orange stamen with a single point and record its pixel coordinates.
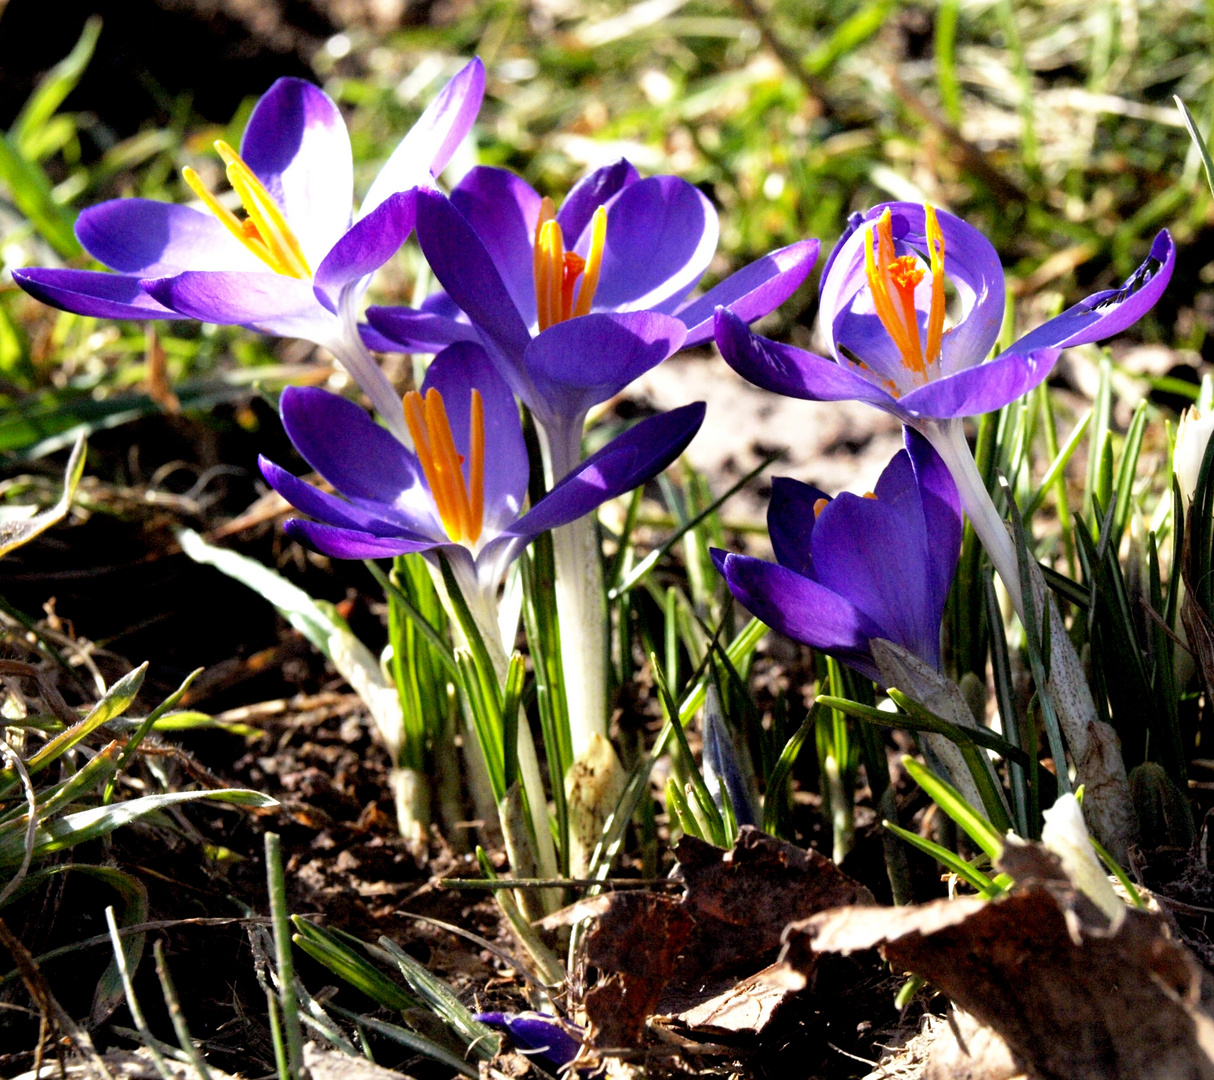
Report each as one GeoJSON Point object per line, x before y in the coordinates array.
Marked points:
{"type": "Point", "coordinates": [869, 495]}
{"type": "Point", "coordinates": [541, 264]}
{"type": "Point", "coordinates": [558, 272]}
{"type": "Point", "coordinates": [887, 269]}
{"type": "Point", "coordinates": [265, 231]}
{"type": "Point", "coordinates": [819, 506]}
{"type": "Point", "coordinates": [460, 503]}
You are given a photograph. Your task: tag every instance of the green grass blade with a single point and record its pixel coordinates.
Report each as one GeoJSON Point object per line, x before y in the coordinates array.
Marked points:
{"type": "Point", "coordinates": [944, 795]}
{"type": "Point", "coordinates": [953, 862]}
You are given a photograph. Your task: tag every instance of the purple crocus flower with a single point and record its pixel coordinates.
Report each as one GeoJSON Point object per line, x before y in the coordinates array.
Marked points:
{"type": "Point", "coordinates": [856, 568]}
{"type": "Point", "coordinates": [550, 1041]}
{"type": "Point", "coordinates": [461, 490]}
{"type": "Point", "coordinates": [570, 326]}
{"type": "Point", "coordinates": [883, 314]}
{"type": "Point", "coordinates": [298, 263]}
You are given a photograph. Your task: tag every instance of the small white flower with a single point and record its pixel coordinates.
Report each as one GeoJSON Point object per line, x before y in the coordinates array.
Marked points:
{"type": "Point", "coordinates": [1191, 438]}
{"type": "Point", "coordinates": [1066, 835]}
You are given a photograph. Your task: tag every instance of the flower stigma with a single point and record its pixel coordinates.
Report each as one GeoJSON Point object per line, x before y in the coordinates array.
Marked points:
{"type": "Point", "coordinates": [558, 296]}
{"type": "Point", "coordinates": [264, 231]}
{"type": "Point", "coordinates": [892, 280]}
{"type": "Point", "coordinates": [460, 503]}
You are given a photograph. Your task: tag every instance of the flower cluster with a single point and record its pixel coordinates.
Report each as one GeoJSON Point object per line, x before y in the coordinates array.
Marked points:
{"type": "Point", "coordinates": [557, 310]}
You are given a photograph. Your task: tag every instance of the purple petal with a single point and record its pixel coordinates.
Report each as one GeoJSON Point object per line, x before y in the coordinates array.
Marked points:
{"type": "Point", "coordinates": [792, 372]}
{"type": "Point", "coordinates": [980, 389]}
{"type": "Point", "coordinates": [155, 239]}
{"type": "Point", "coordinates": [503, 210]}
{"type": "Point", "coordinates": [1109, 312]}
{"type": "Point", "coordinates": [802, 609]}
{"type": "Point", "coordinates": [591, 192]}
{"type": "Point", "coordinates": [401, 329]}
{"type": "Point", "coordinates": [350, 543]}
{"type": "Point", "coordinates": [854, 221]}
{"type": "Point", "coordinates": [368, 244]}
{"type": "Point", "coordinates": [271, 303]}
{"type": "Point", "coordinates": [297, 144]}
{"type": "Point", "coordinates": [362, 460]}
{"type": "Point", "coordinates": [790, 523]}
{"type": "Point", "coordinates": [330, 510]}
{"type": "Point", "coordinates": [466, 271]}
{"type": "Point", "coordinates": [942, 518]}
{"type": "Point", "coordinates": [625, 463]}
{"type": "Point", "coordinates": [753, 291]}
{"type": "Point", "coordinates": [661, 235]}
{"type": "Point", "coordinates": [970, 263]}
{"type": "Point", "coordinates": [543, 1037]}
{"type": "Point", "coordinates": [425, 150]}
{"type": "Point", "coordinates": [580, 362]}
{"type": "Point", "coordinates": [454, 373]}
{"type": "Point", "coordinates": [90, 292]}
{"type": "Point", "coordinates": [377, 342]}
{"type": "Point", "coordinates": [869, 552]}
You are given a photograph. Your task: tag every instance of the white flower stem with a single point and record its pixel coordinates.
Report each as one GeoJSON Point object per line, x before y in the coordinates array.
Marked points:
{"type": "Point", "coordinates": [580, 602]}
{"type": "Point", "coordinates": [1093, 744]}
{"type": "Point", "coordinates": [948, 438]}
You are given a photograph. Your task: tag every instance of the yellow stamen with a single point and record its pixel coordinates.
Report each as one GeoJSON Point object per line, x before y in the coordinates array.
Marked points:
{"type": "Point", "coordinates": [263, 211]}
{"type": "Point", "coordinates": [819, 506]}
{"type": "Point", "coordinates": [558, 296]}
{"type": "Point", "coordinates": [460, 503]}
{"type": "Point", "coordinates": [594, 262]}
{"type": "Point", "coordinates": [869, 495]}
{"type": "Point", "coordinates": [265, 231]}
{"type": "Point", "coordinates": [935, 318]}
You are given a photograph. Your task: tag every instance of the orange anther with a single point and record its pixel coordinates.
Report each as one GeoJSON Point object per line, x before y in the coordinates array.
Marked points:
{"type": "Point", "coordinates": [819, 506]}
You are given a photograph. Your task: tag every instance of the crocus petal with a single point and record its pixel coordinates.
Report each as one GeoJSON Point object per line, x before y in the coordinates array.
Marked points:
{"type": "Point", "coordinates": [539, 1036]}
{"type": "Point", "coordinates": [752, 292]}
{"type": "Point", "coordinates": [402, 329]}
{"type": "Point", "coordinates": [970, 263]}
{"type": "Point", "coordinates": [155, 239]}
{"type": "Point", "coordinates": [91, 292]}
{"type": "Point", "coordinates": [365, 247]}
{"type": "Point", "coordinates": [980, 389]}
{"type": "Point", "coordinates": [424, 152]}
{"type": "Point", "coordinates": [297, 144]}
{"type": "Point", "coordinates": [801, 609]}
{"type": "Point", "coordinates": [1109, 312]}
{"type": "Point", "coordinates": [942, 518]}
{"type": "Point", "coordinates": [864, 551]}
{"type": "Point", "coordinates": [580, 362]}
{"type": "Point", "coordinates": [271, 303]}
{"type": "Point", "coordinates": [790, 523]}
{"type": "Point", "coordinates": [340, 543]}
{"type": "Point", "coordinates": [467, 272]}
{"type": "Point", "coordinates": [454, 373]}
{"type": "Point", "coordinates": [362, 460]}
{"type": "Point", "coordinates": [503, 210]}
{"type": "Point", "coordinates": [787, 370]}
{"type": "Point", "coordinates": [589, 193]}
{"type": "Point", "coordinates": [378, 342]}
{"type": "Point", "coordinates": [625, 463]}
{"type": "Point", "coordinates": [661, 235]}
{"type": "Point", "coordinates": [329, 509]}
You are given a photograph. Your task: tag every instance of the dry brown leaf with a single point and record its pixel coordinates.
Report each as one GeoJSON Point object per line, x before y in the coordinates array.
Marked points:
{"type": "Point", "coordinates": [1041, 966]}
